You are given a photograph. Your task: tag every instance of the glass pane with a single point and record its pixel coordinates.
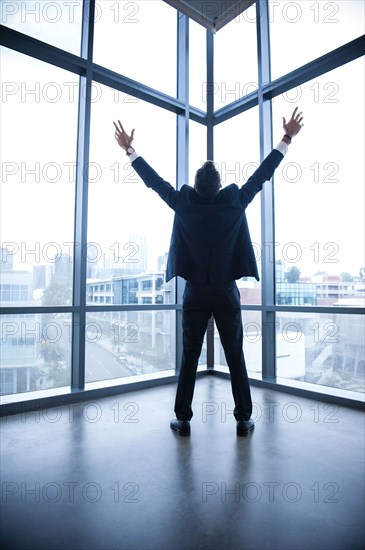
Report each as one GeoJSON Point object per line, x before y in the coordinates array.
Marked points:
{"type": "Point", "coordinates": [35, 352]}
{"type": "Point", "coordinates": [316, 27]}
{"type": "Point", "coordinates": [58, 22]}
{"type": "Point", "coordinates": [197, 148]}
{"type": "Point", "coordinates": [252, 344]}
{"type": "Point", "coordinates": [325, 349]}
{"type": "Point", "coordinates": [138, 40]}
{"type": "Point", "coordinates": [129, 226]}
{"type": "Point", "coordinates": [237, 159]}
{"type": "Point", "coordinates": [38, 146]}
{"type": "Point", "coordinates": [235, 59]}
{"type": "Point", "coordinates": [197, 65]}
{"type": "Point", "coordinates": [319, 193]}
{"type": "Point", "coordinates": [129, 343]}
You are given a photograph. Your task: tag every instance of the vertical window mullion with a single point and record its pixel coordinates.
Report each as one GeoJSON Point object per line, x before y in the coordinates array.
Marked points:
{"type": "Point", "coordinates": [81, 198]}
{"type": "Point", "coordinates": [182, 148]}
{"type": "Point", "coordinates": [210, 156]}
{"type": "Point", "coordinates": [267, 197]}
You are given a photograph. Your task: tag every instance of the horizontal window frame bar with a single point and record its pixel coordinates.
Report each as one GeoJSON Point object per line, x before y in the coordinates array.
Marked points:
{"type": "Point", "coordinates": [29, 402]}
{"type": "Point", "coordinates": [38, 400]}
{"type": "Point", "coordinates": [110, 78]}
{"type": "Point", "coordinates": [197, 115]}
{"type": "Point", "coordinates": [134, 307]}
{"type": "Point", "coordinates": [40, 309]}
{"type": "Point", "coordinates": [87, 309]}
{"type": "Point", "coordinates": [318, 67]}
{"type": "Point", "coordinates": [153, 307]}
{"type": "Point", "coordinates": [292, 388]}
{"type": "Point", "coordinates": [236, 108]}
{"type": "Point", "coordinates": [42, 51]}
{"type": "Point", "coordinates": [318, 309]}
{"type": "Point", "coordinates": [134, 88]}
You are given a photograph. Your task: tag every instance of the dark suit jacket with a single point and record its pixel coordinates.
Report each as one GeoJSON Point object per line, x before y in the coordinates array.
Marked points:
{"type": "Point", "coordinates": [210, 239]}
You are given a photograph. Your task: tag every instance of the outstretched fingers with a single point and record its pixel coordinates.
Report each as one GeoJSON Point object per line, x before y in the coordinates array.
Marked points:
{"type": "Point", "coordinates": [121, 134]}
{"type": "Point", "coordinates": [294, 113]}
{"type": "Point", "coordinates": [298, 117]}
{"type": "Point", "coordinates": [117, 130]}
{"type": "Point", "coordinates": [121, 126]}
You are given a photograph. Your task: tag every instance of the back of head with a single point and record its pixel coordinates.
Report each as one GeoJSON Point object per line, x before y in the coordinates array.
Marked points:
{"type": "Point", "coordinates": [207, 180]}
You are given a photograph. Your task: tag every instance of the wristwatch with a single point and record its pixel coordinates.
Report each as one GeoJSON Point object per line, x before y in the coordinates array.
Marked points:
{"type": "Point", "coordinates": [129, 151]}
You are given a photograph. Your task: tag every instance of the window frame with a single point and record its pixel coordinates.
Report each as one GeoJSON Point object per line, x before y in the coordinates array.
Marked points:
{"type": "Point", "coordinates": [267, 90]}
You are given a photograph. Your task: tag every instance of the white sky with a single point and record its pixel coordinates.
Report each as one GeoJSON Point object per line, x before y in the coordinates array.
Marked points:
{"type": "Point", "coordinates": [41, 128]}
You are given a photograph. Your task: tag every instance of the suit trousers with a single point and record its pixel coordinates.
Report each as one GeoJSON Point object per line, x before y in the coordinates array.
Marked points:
{"type": "Point", "coordinates": [200, 301]}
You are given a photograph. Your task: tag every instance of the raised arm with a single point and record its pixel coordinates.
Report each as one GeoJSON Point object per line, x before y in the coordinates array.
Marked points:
{"type": "Point", "coordinates": [143, 169]}
{"type": "Point", "coordinates": [268, 166]}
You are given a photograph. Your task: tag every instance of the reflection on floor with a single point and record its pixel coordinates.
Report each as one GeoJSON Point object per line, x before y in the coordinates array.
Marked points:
{"type": "Point", "coordinates": [110, 474]}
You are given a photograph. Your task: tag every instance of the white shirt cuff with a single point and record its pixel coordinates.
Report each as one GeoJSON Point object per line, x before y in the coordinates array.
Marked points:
{"type": "Point", "coordinates": [282, 147]}
{"type": "Point", "coordinates": [133, 156]}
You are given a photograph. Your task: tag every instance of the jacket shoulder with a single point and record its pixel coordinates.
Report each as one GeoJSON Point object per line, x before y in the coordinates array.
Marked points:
{"type": "Point", "coordinates": [229, 189]}
{"type": "Point", "coordinates": [228, 194]}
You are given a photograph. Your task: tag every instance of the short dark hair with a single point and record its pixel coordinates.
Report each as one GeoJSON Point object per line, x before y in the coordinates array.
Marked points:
{"type": "Point", "coordinates": [207, 180]}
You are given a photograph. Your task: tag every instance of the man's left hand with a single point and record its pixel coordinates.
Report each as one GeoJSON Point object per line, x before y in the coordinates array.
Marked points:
{"type": "Point", "coordinates": [123, 139]}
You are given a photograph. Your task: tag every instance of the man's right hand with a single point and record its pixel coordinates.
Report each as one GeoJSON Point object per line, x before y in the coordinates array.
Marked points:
{"type": "Point", "coordinates": [293, 127]}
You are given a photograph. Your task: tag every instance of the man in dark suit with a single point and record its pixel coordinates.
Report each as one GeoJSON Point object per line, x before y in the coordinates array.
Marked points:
{"type": "Point", "coordinates": [211, 248]}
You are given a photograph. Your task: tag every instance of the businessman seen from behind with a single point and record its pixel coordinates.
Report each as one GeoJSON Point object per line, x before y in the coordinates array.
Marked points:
{"type": "Point", "coordinates": [211, 248]}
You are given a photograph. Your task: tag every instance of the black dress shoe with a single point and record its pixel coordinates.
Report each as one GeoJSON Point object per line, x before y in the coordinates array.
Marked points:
{"type": "Point", "coordinates": [180, 426]}
{"type": "Point", "coordinates": [244, 426]}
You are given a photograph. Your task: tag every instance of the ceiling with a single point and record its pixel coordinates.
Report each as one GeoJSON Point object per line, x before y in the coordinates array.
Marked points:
{"type": "Point", "coordinates": [213, 14]}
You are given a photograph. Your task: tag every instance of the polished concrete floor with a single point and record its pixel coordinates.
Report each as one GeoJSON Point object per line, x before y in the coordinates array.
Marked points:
{"type": "Point", "coordinates": [110, 474]}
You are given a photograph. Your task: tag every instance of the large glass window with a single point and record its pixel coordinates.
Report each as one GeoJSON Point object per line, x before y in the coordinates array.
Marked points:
{"type": "Point", "coordinates": [197, 66]}
{"type": "Point", "coordinates": [327, 349]}
{"type": "Point", "coordinates": [129, 225]}
{"type": "Point", "coordinates": [128, 40]}
{"type": "Point", "coordinates": [197, 148]}
{"type": "Point", "coordinates": [129, 343]}
{"type": "Point", "coordinates": [236, 152]}
{"type": "Point", "coordinates": [235, 59]}
{"type": "Point", "coordinates": [35, 352]}
{"type": "Point", "coordinates": [58, 22]}
{"type": "Point", "coordinates": [319, 193]}
{"type": "Point", "coordinates": [310, 29]}
{"type": "Point", "coordinates": [38, 149]}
